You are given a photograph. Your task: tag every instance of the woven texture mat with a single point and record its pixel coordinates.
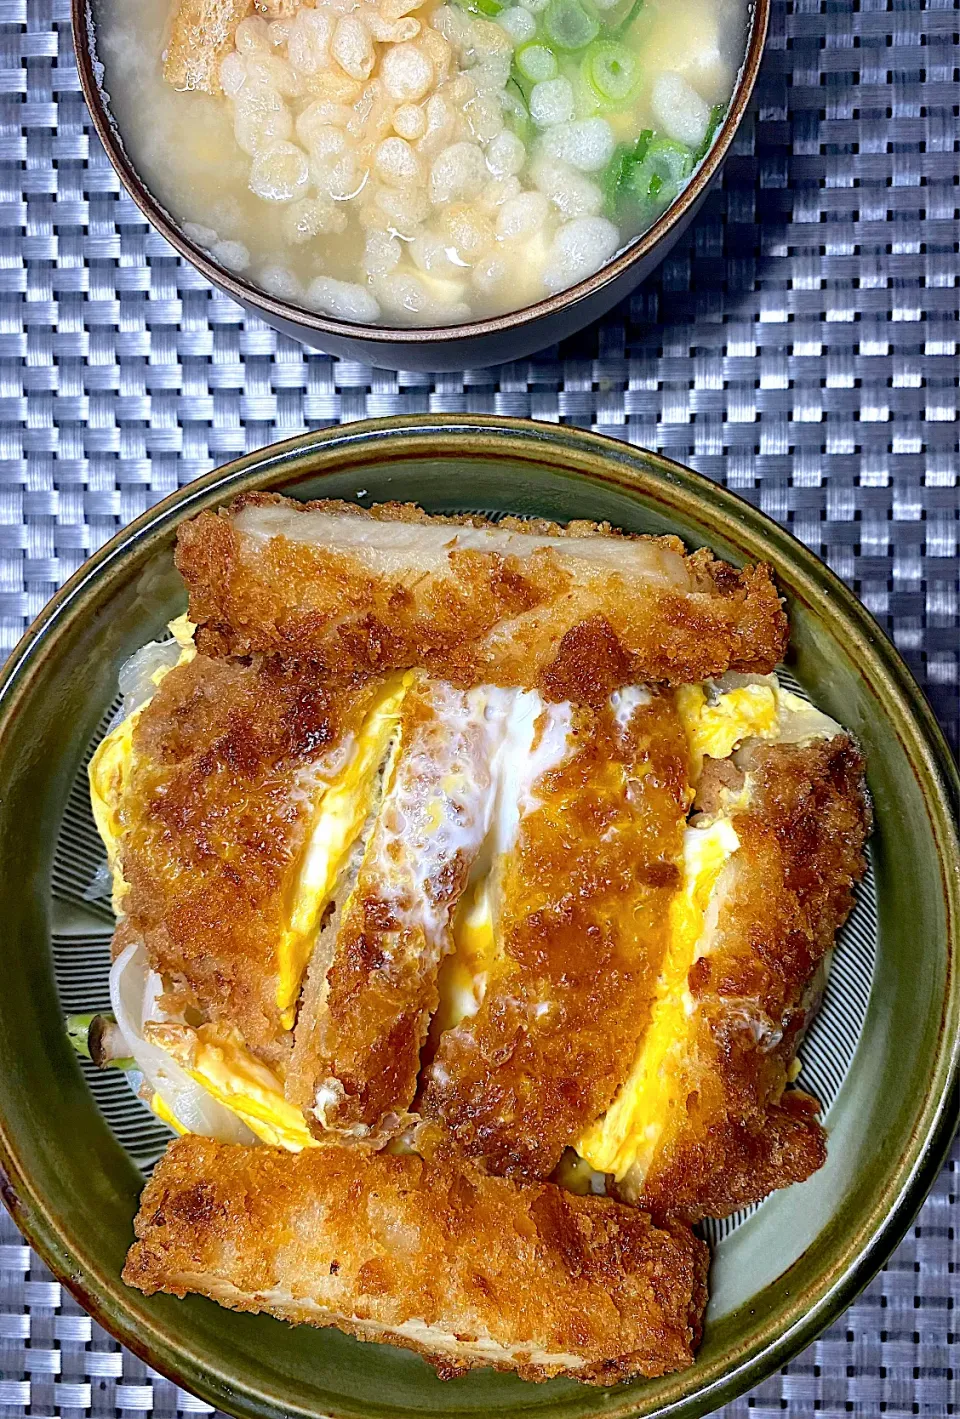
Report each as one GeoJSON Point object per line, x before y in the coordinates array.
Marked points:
{"type": "Point", "coordinates": [799, 345]}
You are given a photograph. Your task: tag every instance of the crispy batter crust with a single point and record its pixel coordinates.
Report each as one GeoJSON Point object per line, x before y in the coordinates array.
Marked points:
{"type": "Point", "coordinates": [367, 1004]}
{"type": "Point", "coordinates": [785, 894]}
{"type": "Point", "coordinates": [576, 615]}
{"type": "Point", "coordinates": [530, 1279]}
{"type": "Point", "coordinates": [585, 895]}
{"type": "Point", "coordinates": [201, 34]}
{"type": "Point", "coordinates": [787, 1147]}
{"type": "Point", "coordinates": [215, 820]}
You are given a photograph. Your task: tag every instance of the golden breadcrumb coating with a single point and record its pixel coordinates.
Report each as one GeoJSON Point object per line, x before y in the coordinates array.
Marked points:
{"type": "Point", "coordinates": [583, 901]}
{"type": "Point", "coordinates": [201, 35]}
{"type": "Point", "coordinates": [372, 985]}
{"type": "Point", "coordinates": [466, 1269]}
{"type": "Point", "coordinates": [737, 1135]}
{"type": "Point", "coordinates": [215, 819]}
{"type": "Point", "coordinates": [575, 611]}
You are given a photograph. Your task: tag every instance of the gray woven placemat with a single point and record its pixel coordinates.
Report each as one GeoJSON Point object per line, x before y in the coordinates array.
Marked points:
{"type": "Point", "coordinates": [799, 345]}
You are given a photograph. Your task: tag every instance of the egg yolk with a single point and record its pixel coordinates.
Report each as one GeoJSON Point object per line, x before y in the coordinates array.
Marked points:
{"type": "Point", "coordinates": [220, 1063]}
{"type": "Point", "coordinates": [629, 1131]}
{"type": "Point", "coordinates": [339, 816]}
{"type": "Point", "coordinates": [714, 730]}
{"type": "Point", "coordinates": [166, 1115]}
{"type": "Point", "coordinates": [464, 973]}
{"type": "Point", "coordinates": [109, 769]}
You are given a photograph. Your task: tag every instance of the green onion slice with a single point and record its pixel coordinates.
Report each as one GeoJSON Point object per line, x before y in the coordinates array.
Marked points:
{"type": "Point", "coordinates": [490, 8]}
{"type": "Point", "coordinates": [611, 71]}
{"type": "Point", "coordinates": [536, 62]}
{"type": "Point", "coordinates": [615, 179]}
{"type": "Point", "coordinates": [716, 118]}
{"type": "Point", "coordinates": [656, 180]}
{"type": "Point", "coordinates": [515, 110]}
{"type": "Point", "coordinates": [619, 30]}
{"type": "Point", "coordinates": [642, 144]}
{"type": "Point", "coordinates": [569, 25]}
{"type": "Point", "coordinates": [78, 1031]}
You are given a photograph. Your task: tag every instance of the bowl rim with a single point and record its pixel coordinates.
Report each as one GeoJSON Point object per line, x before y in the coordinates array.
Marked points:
{"type": "Point", "coordinates": [84, 32]}
{"type": "Point", "coordinates": [574, 453]}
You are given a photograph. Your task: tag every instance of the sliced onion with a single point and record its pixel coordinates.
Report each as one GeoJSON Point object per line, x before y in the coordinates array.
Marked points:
{"type": "Point", "coordinates": [136, 685]}
{"type": "Point", "coordinates": [133, 992]}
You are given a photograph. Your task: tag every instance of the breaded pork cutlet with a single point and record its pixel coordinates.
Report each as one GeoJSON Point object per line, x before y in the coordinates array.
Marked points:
{"type": "Point", "coordinates": [372, 986]}
{"type": "Point", "coordinates": [579, 896]}
{"type": "Point", "coordinates": [467, 1269]}
{"type": "Point", "coordinates": [714, 1065]}
{"type": "Point", "coordinates": [214, 805]}
{"type": "Point", "coordinates": [574, 611]}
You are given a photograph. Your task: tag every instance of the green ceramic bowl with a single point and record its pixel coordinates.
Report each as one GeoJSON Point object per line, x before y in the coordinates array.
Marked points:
{"type": "Point", "coordinates": [779, 1278]}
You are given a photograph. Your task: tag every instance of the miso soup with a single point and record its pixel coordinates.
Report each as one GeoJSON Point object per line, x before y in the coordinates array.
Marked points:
{"type": "Point", "coordinates": [412, 162]}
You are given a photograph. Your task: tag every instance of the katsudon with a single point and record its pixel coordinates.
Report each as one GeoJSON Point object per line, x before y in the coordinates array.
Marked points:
{"type": "Point", "coordinates": [475, 884]}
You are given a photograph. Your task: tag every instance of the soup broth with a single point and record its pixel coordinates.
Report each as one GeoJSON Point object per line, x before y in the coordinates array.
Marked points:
{"type": "Point", "coordinates": [412, 162]}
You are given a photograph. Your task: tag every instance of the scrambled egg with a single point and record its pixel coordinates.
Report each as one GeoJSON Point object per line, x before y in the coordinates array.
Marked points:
{"type": "Point", "coordinates": [220, 1062]}
{"type": "Point", "coordinates": [718, 717]}
{"type": "Point", "coordinates": [715, 729]}
{"type": "Point", "coordinates": [109, 768]}
{"type": "Point", "coordinates": [109, 772]}
{"type": "Point", "coordinates": [631, 1127]}
{"type": "Point", "coordinates": [339, 816]}
{"type": "Point", "coordinates": [463, 976]}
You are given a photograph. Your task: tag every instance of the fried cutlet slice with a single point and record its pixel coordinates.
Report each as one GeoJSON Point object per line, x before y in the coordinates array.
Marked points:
{"type": "Point", "coordinates": [705, 1124]}
{"type": "Point", "coordinates": [216, 805]}
{"type": "Point", "coordinates": [468, 1270]}
{"type": "Point", "coordinates": [575, 940]}
{"type": "Point", "coordinates": [575, 612]}
{"type": "Point", "coordinates": [200, 36]}
{"type": "Point", "coordinates": [372, 985]}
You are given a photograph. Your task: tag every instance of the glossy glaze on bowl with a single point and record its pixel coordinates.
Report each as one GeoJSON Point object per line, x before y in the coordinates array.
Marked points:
{"type": "Point", "coordinates": [477, 343]}
{"type": "Point", "coordinates": [783, 1275]}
